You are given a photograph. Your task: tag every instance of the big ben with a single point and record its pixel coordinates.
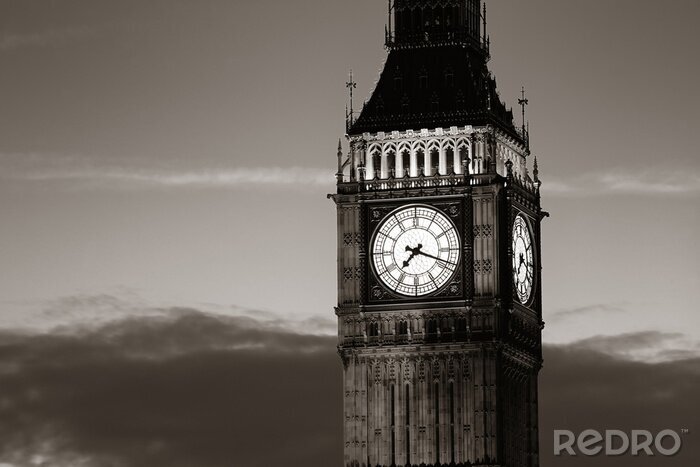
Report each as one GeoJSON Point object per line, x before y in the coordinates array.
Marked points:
{"type": "Point", "coordinates": [439, 255]}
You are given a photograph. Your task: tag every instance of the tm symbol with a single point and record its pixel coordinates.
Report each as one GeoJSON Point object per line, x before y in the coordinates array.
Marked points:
{"type": "Point", "coordinates": [685, 431]}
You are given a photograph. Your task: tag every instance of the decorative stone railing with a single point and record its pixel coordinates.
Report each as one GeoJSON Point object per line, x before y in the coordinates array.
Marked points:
{"type": "Point", "coordinates": [414, 182]}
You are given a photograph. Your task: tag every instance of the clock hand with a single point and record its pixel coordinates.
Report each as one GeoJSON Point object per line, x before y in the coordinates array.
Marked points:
{"type": "Point", "coordinates": [414, 252]}
{"type": "Point", "coordinates": [436, 258]}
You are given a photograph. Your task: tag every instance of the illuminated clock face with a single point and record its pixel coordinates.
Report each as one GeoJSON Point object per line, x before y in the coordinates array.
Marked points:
{"type": "Point", "coordinates": [415, 251]}
{"type": "Point", "coordinates": [523, 264]}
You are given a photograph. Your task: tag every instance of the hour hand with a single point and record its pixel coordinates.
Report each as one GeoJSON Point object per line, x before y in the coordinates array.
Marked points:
{"type": "Point", "coordinates": [414, 252]}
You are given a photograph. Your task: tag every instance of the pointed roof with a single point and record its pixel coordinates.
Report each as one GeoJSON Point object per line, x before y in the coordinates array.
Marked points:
{"type": "Point", "coordinates": [433, 87]}
{"type": "Point", "coordinates": [436, 74]}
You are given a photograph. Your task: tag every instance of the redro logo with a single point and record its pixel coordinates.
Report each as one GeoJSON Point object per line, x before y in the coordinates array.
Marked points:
{"type": "Point", "coordinates": [616, 443]}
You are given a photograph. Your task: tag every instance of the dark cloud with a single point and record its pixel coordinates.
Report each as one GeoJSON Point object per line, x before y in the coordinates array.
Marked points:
{"type": "Point", "coordinates": [585, 311]}
{"type": "Point", "coordinates": [649, 345]}
{"type": "Point", "coordinates": [191, 389]}
{"type": "Point", "coordinates": [627, 342]}
{"type": "Point", "coordinates": [583, 388]}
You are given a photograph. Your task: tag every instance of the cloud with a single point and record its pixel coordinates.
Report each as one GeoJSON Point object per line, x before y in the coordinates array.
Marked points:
{"type": "Point", "coordinates": [189, 389]}
{"type": "Point", "coordinates": [82, 172]}
{"type": "Point", "coordinates": [194, 389]}
{"type": "Point", "coordinates": [195, 179]}
{"type": "Point", "coordinates": [584, 388]}
{"type": "Point", "coordinates": [88, 311]}
{"type": "Point", "coordinates": [616, 182]}
{"type": "Point", "coordinates": [584, 311]}
{"type": "Point", "coordinates": [648, 346]}
{"type": "Point", "coordinates": [49, 38]}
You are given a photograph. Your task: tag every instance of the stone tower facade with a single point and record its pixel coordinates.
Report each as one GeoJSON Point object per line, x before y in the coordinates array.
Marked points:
{"type": "Point", "coordinates": [439, 291]}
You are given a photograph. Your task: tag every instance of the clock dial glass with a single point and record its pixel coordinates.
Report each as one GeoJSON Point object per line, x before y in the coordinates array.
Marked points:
{"type": "Point", "coordinates": [523, 264]}
{"type": "Point", "coordinates": [415, 251]}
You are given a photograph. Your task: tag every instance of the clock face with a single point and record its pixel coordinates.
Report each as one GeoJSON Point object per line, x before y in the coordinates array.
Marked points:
{"type": "Point", "coordinates": [415, 251]}
{"type": "Point", "coordinates": [523, 264]}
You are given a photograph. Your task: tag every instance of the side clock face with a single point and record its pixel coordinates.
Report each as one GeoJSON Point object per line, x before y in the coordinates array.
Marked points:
{"type": "Point", "coordinates": [523, 264]}
{"type": "Point", "coordinates": [415, 251]}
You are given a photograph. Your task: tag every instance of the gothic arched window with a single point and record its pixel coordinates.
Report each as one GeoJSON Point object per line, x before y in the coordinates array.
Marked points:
{"type": "Point", "coordinates": [422, 163]}
{"type": "Point", "coordinates": [373, 329]}
{"type": "Point", "coordinates": [406, 162]}
{"type": "Point", "coordinates": [450, 162]}
{"type": "Point", "coordinates": [403, 328]}
{"type": "Point", "coordinates": [390, 165]}
{"type": "Point", "coordinates": [434, 161]}
{"type": "Point", "coordinates": [461, 326]}
{"type": "Point", "coordinates": [376, 164]}
{"type": "Point", "coordinates": [432, 326]}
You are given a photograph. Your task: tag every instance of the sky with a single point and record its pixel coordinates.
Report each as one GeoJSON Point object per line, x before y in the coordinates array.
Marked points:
{"type": "Point", "coordinates": [168, 157]}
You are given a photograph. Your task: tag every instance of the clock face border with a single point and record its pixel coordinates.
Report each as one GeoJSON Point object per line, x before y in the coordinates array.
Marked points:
{"type": "Point", "coordinates": [530, 259]}
{"type": "Point", "coordinates": [451, 286]}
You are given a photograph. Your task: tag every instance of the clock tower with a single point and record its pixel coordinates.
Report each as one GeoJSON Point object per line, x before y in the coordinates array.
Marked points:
{"type": "Point", "coordinates": [439, 290]}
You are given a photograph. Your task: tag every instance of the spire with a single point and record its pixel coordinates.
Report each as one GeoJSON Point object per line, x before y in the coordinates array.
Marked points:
{"type": "Point", "coordinates": [350, 117]}
{"type": "Point", "coordinates": [536, 175]}
{"type": "Point", "coordinates": [536, 171]}
{"type": "Point", "coordinates": [339, 174]}
{"type": "Point", "coordinates": [523, 102]}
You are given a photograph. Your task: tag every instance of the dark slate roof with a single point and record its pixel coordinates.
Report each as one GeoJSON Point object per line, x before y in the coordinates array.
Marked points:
{"type": "Point", "coordinates": [431, 87]}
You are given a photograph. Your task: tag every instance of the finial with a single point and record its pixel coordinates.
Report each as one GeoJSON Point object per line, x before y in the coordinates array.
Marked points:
{"type": "Point", "coordinates": [339, 174]}
{"type": "Point", "coordinates": [523, 101]}
{"type": "Point", "coordinates": [351, 85]}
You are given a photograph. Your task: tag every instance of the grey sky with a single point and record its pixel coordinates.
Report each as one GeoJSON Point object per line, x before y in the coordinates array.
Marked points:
{"type": "Point", "coordinates": [143, 146]}
{"type": "Point", "coordinates": [163, 171]}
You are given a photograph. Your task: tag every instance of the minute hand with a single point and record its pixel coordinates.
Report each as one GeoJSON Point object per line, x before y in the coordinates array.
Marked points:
{"type": "Point", "coordinates": [436, 258]}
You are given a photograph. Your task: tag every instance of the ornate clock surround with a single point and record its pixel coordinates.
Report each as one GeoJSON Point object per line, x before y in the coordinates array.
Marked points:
{"type": "Point", "coordinates": [457, 210]}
